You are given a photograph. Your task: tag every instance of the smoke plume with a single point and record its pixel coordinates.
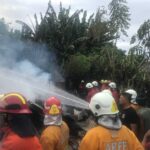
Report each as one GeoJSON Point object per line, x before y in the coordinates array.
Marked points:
{"type": "Point", "coordinates": [25, 67]}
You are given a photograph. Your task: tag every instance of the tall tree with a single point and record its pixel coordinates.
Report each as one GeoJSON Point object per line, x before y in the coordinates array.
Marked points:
{"type": "Point", "coordinates": [119, 17]}
{"type": "Point", "coordinates": [142, 38]}
{"type": "Point", "coordinates": [69, 34]}
{"type": "Point", "coordinates": [99, 31]}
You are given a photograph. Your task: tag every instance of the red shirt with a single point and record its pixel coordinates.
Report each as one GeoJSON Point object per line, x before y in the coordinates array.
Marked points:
{"type": "Point", "coordinates": [11, 141]}
{"type": "Point", "coordinates": [90, 94]}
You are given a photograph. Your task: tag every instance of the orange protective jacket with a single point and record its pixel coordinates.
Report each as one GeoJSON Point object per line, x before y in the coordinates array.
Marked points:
{"type": "Point", "coordinates": [100, 138]}
{"type": "Point", "coordinates": [55, 137]}
{"type": "Point", "coordinates": [11, 141]}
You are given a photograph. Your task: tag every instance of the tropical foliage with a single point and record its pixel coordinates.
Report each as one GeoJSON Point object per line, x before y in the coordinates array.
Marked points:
{"type": "Point", "coordinates": [85, 45]}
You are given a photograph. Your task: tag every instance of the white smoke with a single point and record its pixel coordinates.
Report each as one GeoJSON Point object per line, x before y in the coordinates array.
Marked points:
{"type": "Point", "coordinates": [25, 68]}
{"type": "Point", "coordinates": [19, 66]}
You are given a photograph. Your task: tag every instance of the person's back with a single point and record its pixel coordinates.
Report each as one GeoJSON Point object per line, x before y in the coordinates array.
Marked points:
{"type": "Point", "coordinates": [128, 115]}
{"type": "Point", "coordinates": [109, 134]}
{"type": "Point", "coordinates": [101, 138]}
{"type": "Point", "coordinates": [56, 134]}
{"type": "Point", "coordinates": [55, 137]}
{"type": "Point", "coordinates": [12, 141]}
{"type": "Point", "coordinates": [16, 128]}
{"type": "Point", "coordinates": [144, 114]}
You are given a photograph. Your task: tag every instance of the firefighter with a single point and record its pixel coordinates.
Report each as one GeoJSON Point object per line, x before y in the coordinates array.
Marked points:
{"type": "Point", "coordinates": [104, 84]}
{"type": "Point", "coordinates": [56, 134]}
{"type": "Point", "coordinates": [128, 115]}
{"type": "Point", "coordinates": [96, 86]}
{"type": "Point", "coordinates": [110, 134]}
{"type": "Point", "coordinates": [90, 91]}
{"type": "Point", "coordinates": [16, 129]}
{"type": "Point", "coordinates": [114, 91]}
{"type": "Point", "coordinates": [133, 94]}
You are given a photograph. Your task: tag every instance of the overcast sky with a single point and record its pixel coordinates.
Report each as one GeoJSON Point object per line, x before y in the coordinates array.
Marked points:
{"type": "Point", "coordinates": [24, 9]}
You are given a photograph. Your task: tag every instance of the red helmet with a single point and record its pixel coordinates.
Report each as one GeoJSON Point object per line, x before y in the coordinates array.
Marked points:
{"type": "Point", "coordinates": [14, 103]}
{"type": "Point", "coordinates": [52, 106]}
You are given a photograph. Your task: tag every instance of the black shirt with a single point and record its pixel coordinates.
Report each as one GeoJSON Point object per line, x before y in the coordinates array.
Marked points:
{"type": "Point", "coordinates": [129, 116]}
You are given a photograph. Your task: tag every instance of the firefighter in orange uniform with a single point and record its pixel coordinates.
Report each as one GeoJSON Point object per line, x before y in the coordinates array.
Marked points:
{"type": "Point", "coordinates": [110, 134]}
{"type": "Point", "coordinates": [16, 129]}
{"type": "Point", "coordinates": [56, 134]}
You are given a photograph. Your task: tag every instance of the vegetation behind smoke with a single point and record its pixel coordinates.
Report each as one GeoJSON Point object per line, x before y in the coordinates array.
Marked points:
{"type": "Point", "coordinates": [85, 45]}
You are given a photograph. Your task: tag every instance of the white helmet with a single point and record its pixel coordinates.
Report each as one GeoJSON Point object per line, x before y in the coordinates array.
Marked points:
{"type": "Point", "coordinates": [89, 85]}
{"type": "Point", "coordinates": [103, 104]}
{"type": "Point", "coordinates": [133, 95]}
{"type": "Point", "coordinates": [107, 91]}
{"type": "Point", "coordinates": [82, 81]}
{"type": "Point", "coordinates": [95, 83]}
{"type": "Point", "coordinates": [112, 85]}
